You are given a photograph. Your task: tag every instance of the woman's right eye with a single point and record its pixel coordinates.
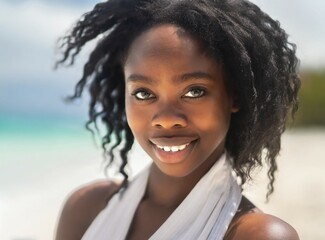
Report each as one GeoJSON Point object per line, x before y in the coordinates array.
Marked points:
{"type": "Point", "coordinates": [142, 95]}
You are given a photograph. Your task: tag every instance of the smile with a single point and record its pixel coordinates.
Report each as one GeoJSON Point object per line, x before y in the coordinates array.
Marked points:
{"type": "Point", "coordinates": [176, 152]}
{"type": "Point", "coordinates": [173, 148]}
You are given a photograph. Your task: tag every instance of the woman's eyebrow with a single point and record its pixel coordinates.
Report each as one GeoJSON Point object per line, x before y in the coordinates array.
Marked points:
{"type": "Point", "coordinates": [179, 79]}
{"type": "Point", "coordinates": [139, 78]}
{"type": "Point", "coordinates": [194, 75]}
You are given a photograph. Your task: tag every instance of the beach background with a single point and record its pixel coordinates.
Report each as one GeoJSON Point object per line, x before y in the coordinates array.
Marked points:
{"type": "Point", "coordinates": [45, 152]}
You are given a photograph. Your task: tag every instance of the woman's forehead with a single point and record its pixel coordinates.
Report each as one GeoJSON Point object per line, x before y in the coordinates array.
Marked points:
{"type": "Point", "coordinates": [164, 40]}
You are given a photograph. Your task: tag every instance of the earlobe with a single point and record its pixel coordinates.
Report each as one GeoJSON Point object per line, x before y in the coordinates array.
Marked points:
{"type": "Point", "coordinates": [235, 105]}
{"type": "Point", "coordinates": [234, 109]}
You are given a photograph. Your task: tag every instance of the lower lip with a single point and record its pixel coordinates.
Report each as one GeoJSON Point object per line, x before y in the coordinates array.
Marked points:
{"type": "Point", "coordinates": [174, 157]}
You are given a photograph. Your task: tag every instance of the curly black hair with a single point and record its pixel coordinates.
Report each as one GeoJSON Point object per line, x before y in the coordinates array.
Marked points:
{"type": "Point", "coordinates": [254, 49]}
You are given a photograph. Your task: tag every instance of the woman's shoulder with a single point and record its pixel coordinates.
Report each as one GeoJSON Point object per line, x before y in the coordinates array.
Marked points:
{"type": "Point", "coordinates": [82, 207]}
{"type": "Point", "coordinates": [250, 223]}
{"type": "Point", "coordinates": [257, 226]}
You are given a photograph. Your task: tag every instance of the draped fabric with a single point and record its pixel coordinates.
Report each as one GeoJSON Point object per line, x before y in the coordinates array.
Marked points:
{"type": "Point", "coordinates": [204, 214]}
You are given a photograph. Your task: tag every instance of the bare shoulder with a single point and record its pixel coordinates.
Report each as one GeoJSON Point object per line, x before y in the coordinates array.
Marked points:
{"type": "Point", "coordinates": [81, 208]}
{"type": "Point", "coordinates": [261, 226]}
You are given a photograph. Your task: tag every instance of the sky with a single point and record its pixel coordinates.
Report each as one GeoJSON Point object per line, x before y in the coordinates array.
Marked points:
{"type": "Point", "coordinates": [30, 88]}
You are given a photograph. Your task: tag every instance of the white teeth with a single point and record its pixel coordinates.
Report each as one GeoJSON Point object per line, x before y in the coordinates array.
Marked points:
{"type": "Point", "coordinates": [182, 147]}
{"type": "Point", "coordinates": [173, 148]}
{"type": "Point", "coordinates": [167, 149]}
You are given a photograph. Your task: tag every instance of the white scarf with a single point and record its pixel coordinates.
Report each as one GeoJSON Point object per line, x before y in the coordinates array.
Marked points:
{"type": "Point", "coordinates": [204, 214]}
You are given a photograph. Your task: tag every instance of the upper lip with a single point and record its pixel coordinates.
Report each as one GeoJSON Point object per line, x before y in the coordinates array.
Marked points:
{"type": "Point", "coordinates": [172, 140]}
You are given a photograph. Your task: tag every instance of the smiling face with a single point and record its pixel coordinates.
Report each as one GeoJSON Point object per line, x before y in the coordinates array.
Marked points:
{"type": "Point", "coordinates": [177, 103]}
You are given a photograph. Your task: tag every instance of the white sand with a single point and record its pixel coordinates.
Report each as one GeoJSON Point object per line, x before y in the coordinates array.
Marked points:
{"type": "Point", "coordinates": [37, 175]}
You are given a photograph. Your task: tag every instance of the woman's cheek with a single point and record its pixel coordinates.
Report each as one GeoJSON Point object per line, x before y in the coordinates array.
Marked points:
{"type": "Point", "coordinates": [135, 116]}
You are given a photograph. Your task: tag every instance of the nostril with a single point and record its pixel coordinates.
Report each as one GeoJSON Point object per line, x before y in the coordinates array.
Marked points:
{"type": "Point", "coordinates": [169, 123]}
{"type": "Point", "coordinates": [157, 125]}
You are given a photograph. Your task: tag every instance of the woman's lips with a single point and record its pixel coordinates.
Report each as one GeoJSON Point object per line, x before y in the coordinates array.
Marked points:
{"type": "Point", "coordinates": [172, 153]}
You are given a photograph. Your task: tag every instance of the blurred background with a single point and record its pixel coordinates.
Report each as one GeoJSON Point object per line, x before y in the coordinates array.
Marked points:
{"type": "Point", "coordinates": [45, 152]}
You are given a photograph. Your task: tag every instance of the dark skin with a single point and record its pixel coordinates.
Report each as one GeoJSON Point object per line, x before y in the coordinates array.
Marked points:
{"type": "Point", "coordinates": [176, 95]}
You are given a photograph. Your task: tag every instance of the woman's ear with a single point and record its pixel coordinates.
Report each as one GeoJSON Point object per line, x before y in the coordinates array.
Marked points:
{"type": "Point", "coordinates": [235, 104]}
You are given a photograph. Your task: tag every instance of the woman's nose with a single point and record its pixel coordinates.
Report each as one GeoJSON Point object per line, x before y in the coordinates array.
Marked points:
{"type": "Point", "coordinates": [169, 117]}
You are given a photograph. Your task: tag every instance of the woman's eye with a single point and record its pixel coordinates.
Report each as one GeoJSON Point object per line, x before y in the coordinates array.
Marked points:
{"type": "Point", "coordinates": [143, 95]}
{"type": "Point", "coordinates": [195, 93]}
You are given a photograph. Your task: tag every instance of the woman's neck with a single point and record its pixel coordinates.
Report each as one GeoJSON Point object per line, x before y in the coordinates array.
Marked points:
{"type": "Point", "coordinates": [168, 191]}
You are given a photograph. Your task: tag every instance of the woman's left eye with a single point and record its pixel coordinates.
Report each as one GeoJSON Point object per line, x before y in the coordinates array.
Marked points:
{"type": "Point", "coordinates": [195, 93]}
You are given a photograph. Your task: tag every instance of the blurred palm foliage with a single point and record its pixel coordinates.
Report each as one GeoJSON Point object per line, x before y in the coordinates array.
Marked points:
{"type": "Point", "coordinates": [311, 111]}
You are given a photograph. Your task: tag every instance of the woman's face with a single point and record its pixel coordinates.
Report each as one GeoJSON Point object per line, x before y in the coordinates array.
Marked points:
{"type": "Point", "coordinates": [177, 105]}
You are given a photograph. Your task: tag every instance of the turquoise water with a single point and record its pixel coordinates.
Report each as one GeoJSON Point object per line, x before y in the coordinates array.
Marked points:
{"type": "Point", "coordinates": [41, 126]}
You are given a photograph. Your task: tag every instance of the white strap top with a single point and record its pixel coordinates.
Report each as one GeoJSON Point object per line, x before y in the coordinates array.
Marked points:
{"type": "Point", "coordinates": [204, 214]}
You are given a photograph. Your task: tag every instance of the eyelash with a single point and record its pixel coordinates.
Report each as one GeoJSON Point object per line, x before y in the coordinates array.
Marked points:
{"type": "Point", "coordinates": [202, 93]}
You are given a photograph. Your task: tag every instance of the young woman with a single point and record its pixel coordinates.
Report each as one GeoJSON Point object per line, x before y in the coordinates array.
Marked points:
{"type": "Point", "coordinates": [204, 87]}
